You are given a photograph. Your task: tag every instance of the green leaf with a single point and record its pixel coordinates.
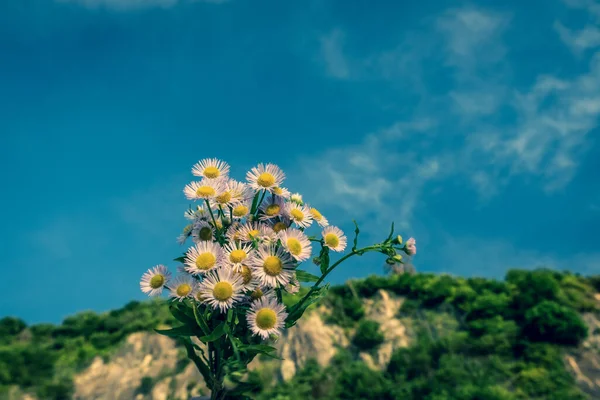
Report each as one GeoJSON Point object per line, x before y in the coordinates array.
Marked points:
{"type": "Point", "coordinates": [298, 309]}
{"type": "Point", "coordinates": [389, 238]}
{"type": "Point", "coordinates": [259, 349]}
{"type": "Point", "coordinates": [202, 367]}
{"type": "Point", "coordinates": [179, 331]}
{"type": "Point", "coordinates": [181, 315]}
{"type": "Point", "coordinates": [324, 257]}
{"type": "Point", "coordinates": [356, 232]}
{"type": "Point", "coordinates": [215, 334]}
{"type": "Point", "coordinates": [180, 259]}
{"type": "Point", "coordinates": [304, 276]}
{"type": "Point", "coordinates": [200, 321]}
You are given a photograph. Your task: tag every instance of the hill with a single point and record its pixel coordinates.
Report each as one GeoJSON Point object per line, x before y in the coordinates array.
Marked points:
{"type": "Point", "coordinates": [535, 335]}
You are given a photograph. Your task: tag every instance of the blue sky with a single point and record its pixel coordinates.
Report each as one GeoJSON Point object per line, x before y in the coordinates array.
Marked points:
{"type": "Point", "coordinates": [472, 125]}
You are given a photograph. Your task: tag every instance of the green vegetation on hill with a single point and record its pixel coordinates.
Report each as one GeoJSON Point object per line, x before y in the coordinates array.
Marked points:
{"type": "Point", "coordinates": [507, 341]}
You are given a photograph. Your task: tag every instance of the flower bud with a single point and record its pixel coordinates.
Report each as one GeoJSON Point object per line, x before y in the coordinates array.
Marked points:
{"type": "Point", "coordinates": [274, 337]}
{"type": "Point", "coordinates": [296, 198]}
{"type": "Point", "coordinates": [397, 240]}
{"type": "Point", "coordinates": [398, 258]}
{"type": "Point", "coordinates": [316, 261]}
{"type": "Point", "coordinates": [410, 247]}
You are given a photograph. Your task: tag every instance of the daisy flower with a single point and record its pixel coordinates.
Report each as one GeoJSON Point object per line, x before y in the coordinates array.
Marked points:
{"type": "Point", "coordinates": [241, 209]}
{"type": "Point", "coordinates": [281, 192]}
{"type": "Point", "coordinates": [265, 177]}
{"type": "Point", "coordinates": [266, 317]}
{"type": "Point", "coordinates": [263, 292]}
{"type": "Point", "coordinates": [248, 281]}
{"type": "Point", "coordinates": [239, 191]}
{"type": "Point", "coordinates": [154, 280]}
{"type": "Point", "coordinates": [203, 257]}
{"type": "Point", "coordinates": [194, 215]}
{"type": "Point", "coordinates": [272, 208]}
{"type": "Point", "coordinates": [221, 289]}
{"type": "Point", "coordinates": [237, 254]}
{"type": "Point", "coordinates": [185, 234]}
{"type": "Point", "coordinates": [182, 287]}
{"type": "Point", "coordinates": [282, 224]}
{"type": "Point", "coordinates": [206, 189]}
{"type": "Point", "coordinates": [202, 232]}
{"type": "Point", "coordinates": [299, 214]}
{"type": "Point", "coordinates": [272, 266]}
{"type": "Point", "coordinates": [317, 216]}
{"type": "Point", "coordinates": [253, 230]}
{"type": "Point", "coordinates": [334, 238]}
{"type": "Point", "coordinates": [296, 243]}
{"type": "Point", "coordinates": [211, 168]}
{"type": "Point", "coordinates": [296, 198]}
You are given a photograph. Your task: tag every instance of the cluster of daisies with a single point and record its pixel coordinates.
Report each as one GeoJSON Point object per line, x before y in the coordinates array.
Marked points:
{"type": "Point", "coordinates": [248, 238]}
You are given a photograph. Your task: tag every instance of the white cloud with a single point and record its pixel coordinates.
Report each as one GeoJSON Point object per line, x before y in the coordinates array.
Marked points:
{"type": "Point", "coordinates": [332, 53]}
{"type": "Point", "coordinates": [371, 178]}
{"type": "Point", "coordinates": [472, 36]}
{"type": "Point", "coordinates": [579, 41]}
{"type": "Point", "coordinates": [127, 5]}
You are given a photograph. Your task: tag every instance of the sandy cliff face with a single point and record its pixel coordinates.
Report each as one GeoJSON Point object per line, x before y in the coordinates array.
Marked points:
{"type": "Point", "coordinates": [142, 355]}
{"type": "Point", "coordinates": [584, 363]}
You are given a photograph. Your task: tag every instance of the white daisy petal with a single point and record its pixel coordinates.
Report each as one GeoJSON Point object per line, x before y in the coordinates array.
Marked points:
{"type": "Point", "coordinates": [334, 238]}
{"type": "Point", "coordinates": [265, 177]}
{"type": "Point", "coordinates": [296, 243]}
{"type": "Point", "coordinates": [221, 289]}
{"type": "Point", "coordinates": [203, 231]}
{"type": "Point", "coordinates": [317, 216]}
{"type": "Point", "coordinates": [203, 257]}
{"type": "Point", "coordinates": [211, 168]}
{"type": "Point", "coordinates": [272, 266]}
{"type": "Point", "coordinates": [266, 317]}
{"type": "Point", "coordinates": [299, 214]}
{"type": "Point", "coordinates": [237, 254]}
{"type": "Point", "coordinates": [182, 287]}
{"type": "Point", "coordinates": [206, 189]}
{"type": "Point", "coordinates": [154, 280]}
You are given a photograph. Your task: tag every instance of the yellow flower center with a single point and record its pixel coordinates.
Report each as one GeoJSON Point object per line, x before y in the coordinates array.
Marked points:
{"type": "Point", "coordinates": [157, 281]}
{"type": "Point", "coordinates": [316, 214]}
{"type": "Point", "coordinates": [294, 246]}
{"type": "Point", "coordinates": [205, 233]}
{"type": "Point", "coordinates": [332, 240]}
{"type": "Point", "coordinates": [253, 233]}
{"type": "Point", "coordinates": [237, 256]}
{"type": "Point", "coordinates": [266, 180]}
{"type": "Point", "coordinates": [223, 291]}
{"type": "Point", "coordinates": [205, 191]}
{"type": "Point", "coordinates": [272, 210]}
{"type": "Point", "coordinates": [212, 172]}
{"type": "Point", "coordinates": [272, 265]}
{"type": "Point", "coordinates": [206, 261]}
{"type": "Point", "coordinates": [199, 296]}
{"type": "Point", "coordinates": [297, 214]}
{"type": "Point", "coordinates": [257, 294]}
{"type": "Point", "coordinates": [266, 318]}
{"type": "Point", "coordinates": [246, 275]}
{"type": "Point", "coordinates": [224, 197]}
{"type": "Point", "coordinates": [240, 210]}
{"type": "Point", "coordinates": [279, 226]}
{"type": "Point", "coordinates": [183, 290]}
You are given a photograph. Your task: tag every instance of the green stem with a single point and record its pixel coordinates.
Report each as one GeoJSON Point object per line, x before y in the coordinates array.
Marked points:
{"type": "Point", "coordinates": [332, 267]}
{"type": "Point", "coordinates": [260, 202]}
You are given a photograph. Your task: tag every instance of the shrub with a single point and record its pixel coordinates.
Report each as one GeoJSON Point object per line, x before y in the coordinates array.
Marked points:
{"type": "Point", "coordinates": [368, 335]}
{"type": "Point", "coordinates": [552, 322]}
